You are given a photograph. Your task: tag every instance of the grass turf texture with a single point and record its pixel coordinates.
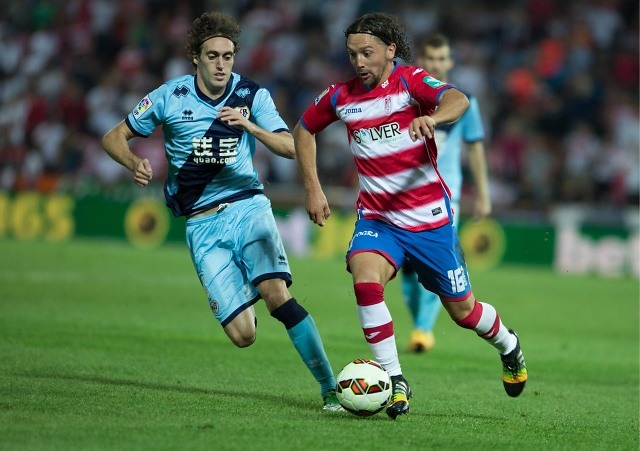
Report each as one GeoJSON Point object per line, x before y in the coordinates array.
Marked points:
{"type": "Point", "coordinates": [106, 347]}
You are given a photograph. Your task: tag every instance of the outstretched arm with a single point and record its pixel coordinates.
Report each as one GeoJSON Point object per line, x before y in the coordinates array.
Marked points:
{"type": "Point", "coordinates": [116, 144]}
{"type": "Point", "coordinates": [316, 202]}
{"type": "Point", "coordinates": [452, 105]}
{"type": "Point", "coordinates": [478, 167]}
{"type": "Point", "coordinates": [280, 143]}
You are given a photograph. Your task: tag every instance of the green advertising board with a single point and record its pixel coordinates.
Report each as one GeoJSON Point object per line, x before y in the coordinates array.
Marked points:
{"type": "Point", "coordinates": [146, 222]}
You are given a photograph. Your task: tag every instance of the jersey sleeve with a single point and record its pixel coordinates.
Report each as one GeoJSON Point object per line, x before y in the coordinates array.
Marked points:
{"type": "Point", "coordinates": [473, 130]}
{"type": "Point", "coordinates": [149, 113]}
{"type": "Point", "coordinates": [425, 88]}
{"type": "Point", "coordinates": [322, 111]}
{"type": "Point", "coordinates": [265, 114]}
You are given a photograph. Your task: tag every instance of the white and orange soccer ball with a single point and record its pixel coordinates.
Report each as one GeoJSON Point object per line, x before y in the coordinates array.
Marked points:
{"type": "Point", "coordinates": [363, 387]}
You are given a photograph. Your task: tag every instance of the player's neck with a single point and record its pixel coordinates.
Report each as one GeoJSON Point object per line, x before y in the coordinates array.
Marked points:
{"type": "Point", "coordinates": [213, 93]}
{"type": "Point", "coordinates": [385, 75]}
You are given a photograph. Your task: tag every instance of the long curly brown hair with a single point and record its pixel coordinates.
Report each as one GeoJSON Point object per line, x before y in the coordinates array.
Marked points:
{"type": "Point", "coordinates": [387, 28]}
{"type": "Point", "coordinates": [210, 25]}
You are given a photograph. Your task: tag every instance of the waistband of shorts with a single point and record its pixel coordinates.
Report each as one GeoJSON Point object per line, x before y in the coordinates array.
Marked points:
{"type": "Point", "coordinates": [207, 214]}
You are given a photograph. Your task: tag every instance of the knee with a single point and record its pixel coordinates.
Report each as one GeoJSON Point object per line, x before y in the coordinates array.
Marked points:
{"type": "Point", "coordinates": [460, 310]}
{"type": "Point", "coordinates": [243, 336]}
{"type": "Point", "coordinates": [243, 340]}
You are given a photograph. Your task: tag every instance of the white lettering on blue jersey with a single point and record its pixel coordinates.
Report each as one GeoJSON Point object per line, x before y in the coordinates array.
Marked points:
{"type": "Point", "coordinates": [209, 161]}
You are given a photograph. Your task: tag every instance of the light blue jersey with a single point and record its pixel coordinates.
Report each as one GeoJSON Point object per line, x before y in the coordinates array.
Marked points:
{"type": "Point", "coordinates": [209, 161]}
{"type": "Point", "coordinates": [449, 139]}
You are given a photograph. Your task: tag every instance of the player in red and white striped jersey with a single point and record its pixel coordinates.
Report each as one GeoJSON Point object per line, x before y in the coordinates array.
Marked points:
{"type": "Point", "coordinates": [403, 206]}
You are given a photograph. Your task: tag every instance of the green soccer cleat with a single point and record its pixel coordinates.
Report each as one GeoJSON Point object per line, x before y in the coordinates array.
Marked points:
{"type": "Point", "coordinates": [331, 403]}
{"type": "Point", "coordinates": [514, 370]}
{"type": "Point", "coordinates": [399, 403]}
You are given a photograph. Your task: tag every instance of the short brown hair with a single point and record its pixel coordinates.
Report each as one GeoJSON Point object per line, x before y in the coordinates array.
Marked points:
{"type": "Point", "coordinates": [436, 40]}
{"type": "Point", "coordinates": [210, 25]}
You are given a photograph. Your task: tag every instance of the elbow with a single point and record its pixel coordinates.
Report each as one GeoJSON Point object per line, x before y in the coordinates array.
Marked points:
{"type": "Point", "coordinates": [290, 152]}
{"type": "Point", "coordinates": [106, 140]}
{"type": "Point", "coordinates": [466, 103]}
{"type": "Point", "coordinates": [288, 149]}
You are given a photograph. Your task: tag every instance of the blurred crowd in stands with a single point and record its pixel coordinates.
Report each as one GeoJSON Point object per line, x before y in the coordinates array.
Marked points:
{"type": "Point", "coordinates": [557, 82]}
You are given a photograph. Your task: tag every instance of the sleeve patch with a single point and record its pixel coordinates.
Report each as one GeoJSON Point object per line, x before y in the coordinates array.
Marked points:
{"type": "Point", "coordinates": [433, 82]}
{"type": "Point", "coordinates": [143, 106]}
{"type": "Point", "coordinates": [322, 94]}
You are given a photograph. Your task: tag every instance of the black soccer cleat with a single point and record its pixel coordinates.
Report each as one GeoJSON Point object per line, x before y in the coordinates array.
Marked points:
{"type": "Point", "coordinates": [399, 403]}
{"type": "Point", "coordinates": [514, 370]}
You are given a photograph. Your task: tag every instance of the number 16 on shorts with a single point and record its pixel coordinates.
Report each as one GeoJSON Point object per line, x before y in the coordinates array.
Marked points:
{"type": "Point", "coordinates": [458, 279]}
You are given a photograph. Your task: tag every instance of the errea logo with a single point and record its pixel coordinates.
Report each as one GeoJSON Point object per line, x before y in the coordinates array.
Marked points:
{"type": "Point", "coordinates": [181, 91]}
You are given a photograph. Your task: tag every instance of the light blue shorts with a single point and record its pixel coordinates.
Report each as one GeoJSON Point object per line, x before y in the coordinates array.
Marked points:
{"type": "Point", "coordinates": [235, 249]}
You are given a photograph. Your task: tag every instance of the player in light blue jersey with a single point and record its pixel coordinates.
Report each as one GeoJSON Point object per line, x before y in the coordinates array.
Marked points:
{"type": "Point", "coordinates": [423, 304]}
{"type": "Point", "coordinates": [210, 122]}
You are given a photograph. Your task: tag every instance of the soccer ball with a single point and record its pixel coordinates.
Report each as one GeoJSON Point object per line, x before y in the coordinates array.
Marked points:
{"type": "Point", "coordinates": [363, 387]}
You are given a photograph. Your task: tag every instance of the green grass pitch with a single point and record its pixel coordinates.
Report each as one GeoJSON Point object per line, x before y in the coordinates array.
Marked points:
{"type": "Point", "coordinates": [103, 346]}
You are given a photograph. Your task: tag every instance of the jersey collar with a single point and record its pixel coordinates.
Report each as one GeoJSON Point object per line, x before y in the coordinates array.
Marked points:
{"type": "Point", "coordinates": [209, 100]}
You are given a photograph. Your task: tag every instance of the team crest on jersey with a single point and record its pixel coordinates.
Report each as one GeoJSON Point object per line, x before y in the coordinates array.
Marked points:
{"type": "Point", "coordinates": [433, 82]}
{"type": "Point", "coordinates": [387, 105]}
{"type": "Point", "coordinates": [244, 111]}
{"type": "Point", "coordinates": [143, 106]}
{"type": "Point", "coordinates": [322, 94]}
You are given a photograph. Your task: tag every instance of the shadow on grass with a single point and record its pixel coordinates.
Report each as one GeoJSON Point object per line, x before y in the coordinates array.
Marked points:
{"type": "Point", "coordinates": [249, 395]}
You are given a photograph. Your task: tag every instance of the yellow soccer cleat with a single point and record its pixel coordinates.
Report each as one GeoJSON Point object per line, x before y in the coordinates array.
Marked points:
{"type": "Point", "coordinates": [399, 402]}
{"type": "Point", "coordinates": [514, 370]}
{"type": "Point", "coordinates": [421, 341]}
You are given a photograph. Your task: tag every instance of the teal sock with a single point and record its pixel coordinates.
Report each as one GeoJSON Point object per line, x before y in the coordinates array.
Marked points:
{"type": "Point", "coordinates": [306, 339]}
{"type": "Point", "coordinates": [423, 305]}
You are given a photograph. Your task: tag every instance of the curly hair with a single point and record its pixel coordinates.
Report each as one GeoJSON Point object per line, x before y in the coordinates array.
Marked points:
{"type": "Point", "coordinates": [387, 28]}
{"type": "Point", "coordinates": [210, 25]}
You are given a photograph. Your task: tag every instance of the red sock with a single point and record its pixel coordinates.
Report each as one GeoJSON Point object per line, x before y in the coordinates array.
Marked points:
{"type": "Point", "coordinates": [485, 321]}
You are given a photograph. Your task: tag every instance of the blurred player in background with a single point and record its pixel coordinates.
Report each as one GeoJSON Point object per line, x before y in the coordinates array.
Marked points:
{"type": "Point", "coordinates": [404, 207]}
{"type": "Point", "coordinates": [210, 122]}
{"type": "Point", "coordinates": [424, 305]}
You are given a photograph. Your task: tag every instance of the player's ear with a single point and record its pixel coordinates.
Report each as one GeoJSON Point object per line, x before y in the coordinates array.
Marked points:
{"type": "Point", "coordinates": [391, 50]}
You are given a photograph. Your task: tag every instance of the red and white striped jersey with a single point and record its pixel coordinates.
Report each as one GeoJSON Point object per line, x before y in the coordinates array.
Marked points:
{"type": "Point", "coordinates": [399, 180]}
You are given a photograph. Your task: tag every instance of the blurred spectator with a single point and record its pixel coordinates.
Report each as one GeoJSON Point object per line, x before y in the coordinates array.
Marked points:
{"type": "Point", "coordinates": [558, 82]}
